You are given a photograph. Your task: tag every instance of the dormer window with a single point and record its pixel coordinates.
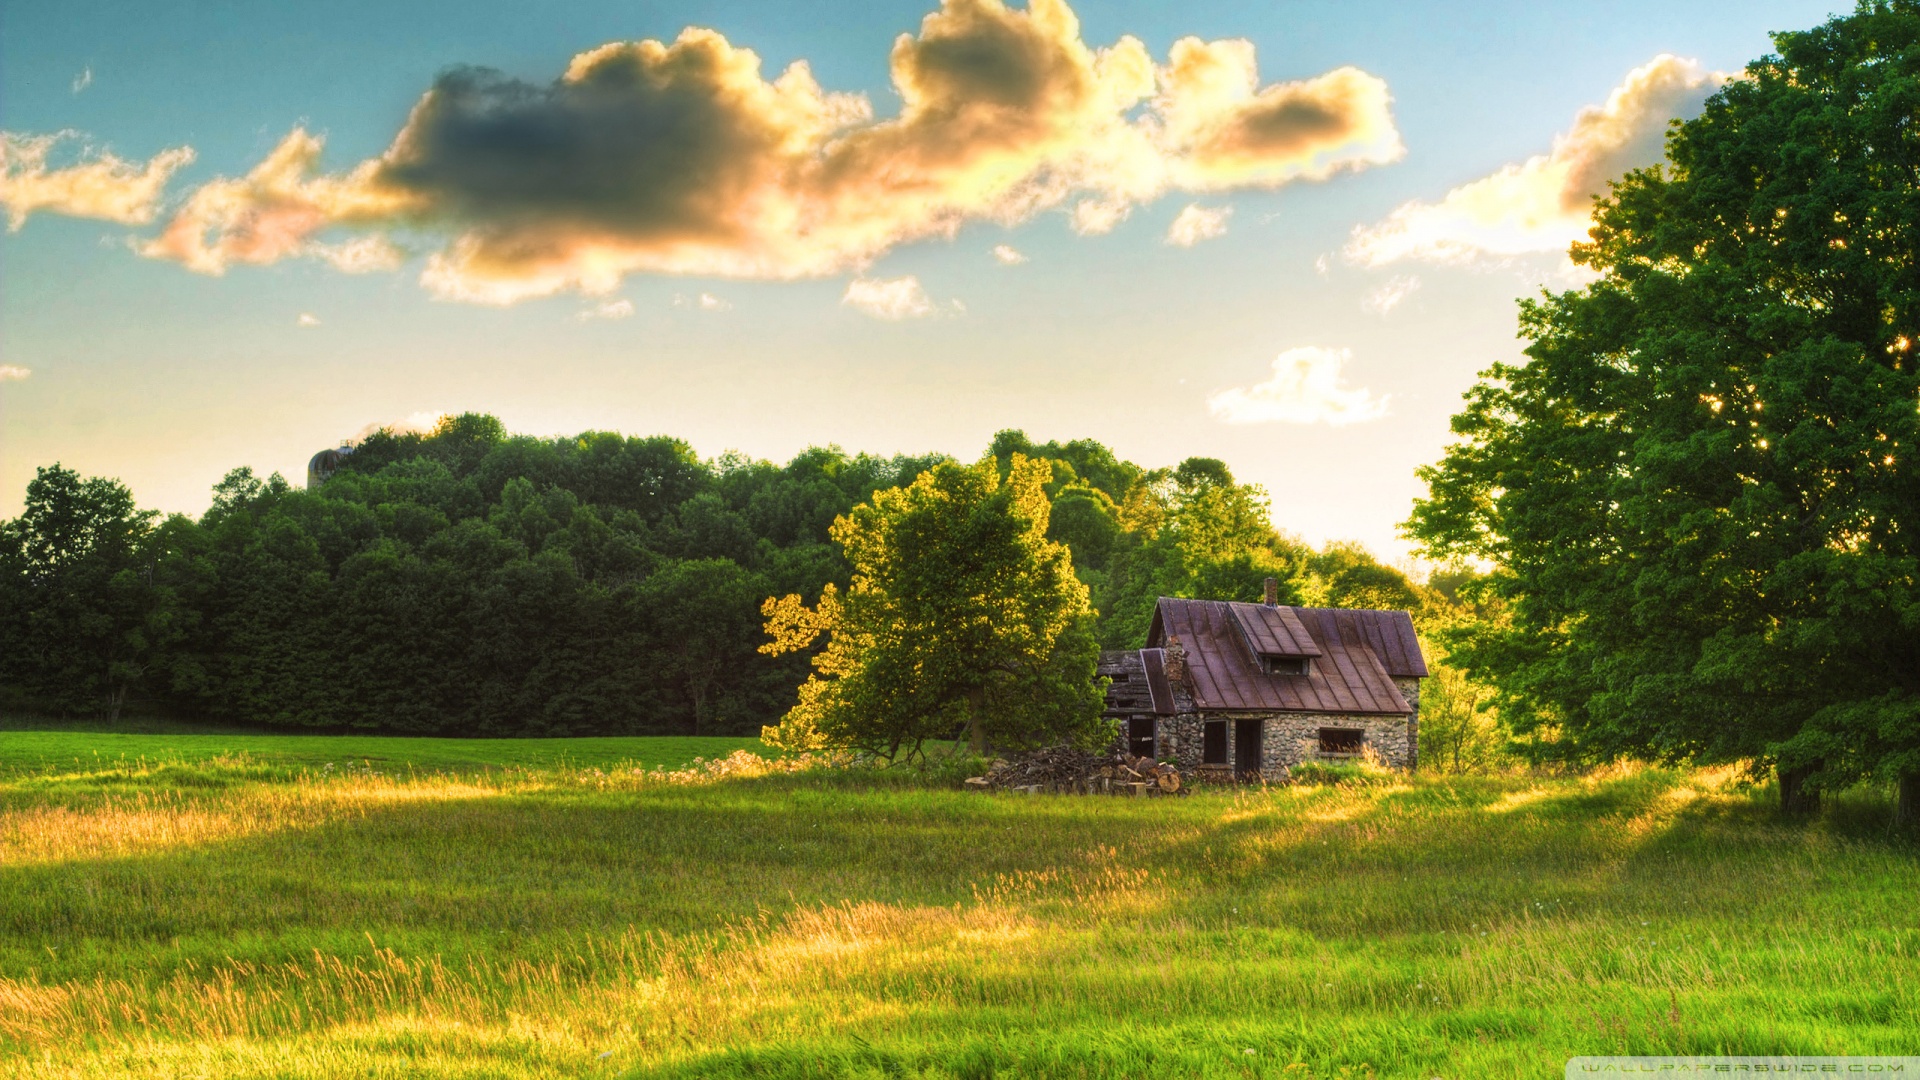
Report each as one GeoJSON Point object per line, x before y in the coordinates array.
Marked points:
{"type": "Point", "coordinates": [1286, 665]}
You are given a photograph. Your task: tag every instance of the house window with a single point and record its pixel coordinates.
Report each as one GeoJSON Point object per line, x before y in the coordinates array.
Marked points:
{"type": "Point", "coordinates": [1284, 665]}
{"type": "Point", "coordinates": [1120, 676]}
{"type": "Point", "coordinates": [1213, 743]}
{"type": "Point", "coordinates": [1140, 736]}
{"type": "Point", "coordinates": [1335, 740]}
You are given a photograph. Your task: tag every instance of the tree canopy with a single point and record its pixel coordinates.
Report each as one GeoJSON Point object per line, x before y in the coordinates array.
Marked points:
{"type": "Point", "coordinates": [961, 617]}
{"type": "Point", "coordinates": [1700, 489]}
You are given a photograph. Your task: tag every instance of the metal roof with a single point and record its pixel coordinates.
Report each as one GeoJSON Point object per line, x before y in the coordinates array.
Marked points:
{"type": "Point", "coordinates": [1358, 654]}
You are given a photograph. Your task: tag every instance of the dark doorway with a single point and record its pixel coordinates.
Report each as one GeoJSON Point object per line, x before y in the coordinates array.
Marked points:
{"type": "Point", "coordinates": [1140, 736]}
{"type": "Point", "coordinates": [1213, 743]}
{"type": "Point", "coordinates": [1246, 749]}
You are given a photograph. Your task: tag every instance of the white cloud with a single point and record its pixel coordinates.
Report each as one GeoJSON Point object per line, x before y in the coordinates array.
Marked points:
{"type": "Point", "coordinates": [1008, 255]}
{"type": "Point", "coordinates": [307, 318]}
{"type": "Point", "coordinates": [889, 298]}
{"type": "Point", "coordinates": [1305, 389]}
{"type": "Point", "coordinates": [1545, 203]}
{"type": "Point", "coordinates": [13, 372]}
{"type": "Point", "coordinates": [1388, 296]}
{"type": "Point", "coordinates": [610, 309]}
{"type": "Point", "coordinates": [361, 255]}
{"type": "Point", "coordinates": [84, 79]}
{"type": "Point", "coordinates": [1197, 223]}
{"type": "Point", "coordinates": [706, 301]}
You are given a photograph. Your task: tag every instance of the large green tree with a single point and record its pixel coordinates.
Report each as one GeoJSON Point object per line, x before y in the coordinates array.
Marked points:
{"type": "Point", "coordinates": [82, 621]}
{"type": "Point", "coordinates": [1701, 490]}
{"type": "Point", "coordinates": [961, 616]}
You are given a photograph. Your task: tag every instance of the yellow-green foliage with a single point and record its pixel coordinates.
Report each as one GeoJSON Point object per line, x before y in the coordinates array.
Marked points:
{"type": "Point", "coordinates": [229, 918]}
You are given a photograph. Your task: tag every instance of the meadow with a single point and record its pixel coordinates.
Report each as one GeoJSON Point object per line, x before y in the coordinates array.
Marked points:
{"type": "Point", "coordinates": [178, 909]}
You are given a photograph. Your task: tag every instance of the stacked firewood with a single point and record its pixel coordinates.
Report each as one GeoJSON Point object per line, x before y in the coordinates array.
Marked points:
{"type": "Point", "coordinates": [1065, 770]}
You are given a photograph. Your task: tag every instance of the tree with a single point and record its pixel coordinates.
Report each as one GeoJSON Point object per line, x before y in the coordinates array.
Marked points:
{"type": "Point", "coordinates": [81, 620]}
{"type": "Point", "coordinates": [961, 616]}
{"type": "Point", "coordinates": [702, 613]}
{"type": "Point", "coordinates": [1701, 490]}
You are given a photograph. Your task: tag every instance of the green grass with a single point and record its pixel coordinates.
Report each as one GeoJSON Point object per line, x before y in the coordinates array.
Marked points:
{"type": "Point", "coordinates": [235, 919]}
{"type": "Point", "coordinates": [69, 751]}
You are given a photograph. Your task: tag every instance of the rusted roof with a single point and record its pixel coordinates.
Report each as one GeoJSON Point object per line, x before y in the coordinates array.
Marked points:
{"type": "Point", "coordinates": [1272, 631]}
{"type": "Point", "coordinates": [1358, 655]}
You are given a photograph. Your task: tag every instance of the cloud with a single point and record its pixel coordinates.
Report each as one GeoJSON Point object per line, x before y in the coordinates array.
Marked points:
{"type": "Point", "coordinates": [1305, 389]}
{"type": "Point", "coordinates": [1197, 223]}
{"type": "Point", "coordinates": [607, 309]}
{"type": "Point", "coordinates": [13, 372]}
{"type": "Point", "coordinates": [705, 302]}
{"type": "Point", "coordinates": [84, 79]}
{"type": "Point", "coordinates": [307, 318]}
{"type": "Point", "coordinates": [1545, 203]}
{"type": "Point", "coordinates": [683, 158]}
{"type": "Point", "coordinates": [1008, 255]}
{"type": "Point", "coordinates": [1388, 296]}
{"type": "Point", "coordinates": [98, 185]}
{"type": "Point", "coordinates": [420, 423]}
{"type": "Point", "coordinates": [889, 298]}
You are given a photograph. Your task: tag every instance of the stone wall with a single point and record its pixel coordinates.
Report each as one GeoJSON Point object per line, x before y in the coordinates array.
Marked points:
{"type": "Point", "coordinates": [1286, 739]}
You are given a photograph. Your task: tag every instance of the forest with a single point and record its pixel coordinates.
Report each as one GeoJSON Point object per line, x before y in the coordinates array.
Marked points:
{"type": "Point", "coordinates": [467, 581]}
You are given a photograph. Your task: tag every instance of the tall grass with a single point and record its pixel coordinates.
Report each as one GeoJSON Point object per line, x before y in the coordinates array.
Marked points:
{"type": "Point", "coordinates": [229, 918]}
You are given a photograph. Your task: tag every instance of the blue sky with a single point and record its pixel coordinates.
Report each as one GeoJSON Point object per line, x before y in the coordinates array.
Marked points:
{"type": "Point", "coordinates": [141, 368]}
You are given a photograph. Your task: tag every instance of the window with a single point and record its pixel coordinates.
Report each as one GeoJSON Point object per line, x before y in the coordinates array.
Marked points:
{"type": "Point", "coordinates": [1213, 743]}
{"type": "Point", "coordinates": [1335, 740]}
{"type": "Point", "coordinates": [1120, 676]}
{"type": "Point", "coordinates": [1284, 665]}
{"type": "Point", "coordinates": [1140, 736]}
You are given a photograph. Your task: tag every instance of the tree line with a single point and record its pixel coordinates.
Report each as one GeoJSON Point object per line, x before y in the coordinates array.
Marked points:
{"type": "Point", "coordinates": [468, 581]}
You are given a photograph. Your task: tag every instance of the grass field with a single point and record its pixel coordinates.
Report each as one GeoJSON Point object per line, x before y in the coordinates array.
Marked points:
{"type": "Point", "coordinates": [261, 916]}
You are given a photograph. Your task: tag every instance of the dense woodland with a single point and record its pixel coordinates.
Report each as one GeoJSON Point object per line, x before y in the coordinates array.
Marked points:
{"type": "Point", "coordinates": [469, 581]}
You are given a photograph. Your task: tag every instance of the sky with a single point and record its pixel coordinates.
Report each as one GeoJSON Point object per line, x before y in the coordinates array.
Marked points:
{"type": "Point", "coordinates": [1285, 235]}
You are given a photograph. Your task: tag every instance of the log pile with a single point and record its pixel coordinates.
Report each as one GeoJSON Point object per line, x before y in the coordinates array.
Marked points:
{"type": "Point", "coordinates": [1067, 771]}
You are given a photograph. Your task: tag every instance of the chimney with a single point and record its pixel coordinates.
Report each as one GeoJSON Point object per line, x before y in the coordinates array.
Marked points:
{"type": "Point", "coordinates": [1175, 661]}
{"type": "Point", "coordinates": [1273, 592]}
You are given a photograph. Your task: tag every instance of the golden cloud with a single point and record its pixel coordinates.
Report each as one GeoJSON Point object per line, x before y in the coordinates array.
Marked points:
{"type": "Point", "coordinates": [682, 158]}
{"type": "Point", "coordinates": [1545, 203]}
{"type": "Point", "coordinates": [99, 186]}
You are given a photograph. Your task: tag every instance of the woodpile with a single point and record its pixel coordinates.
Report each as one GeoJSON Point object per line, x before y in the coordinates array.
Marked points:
{"type": "Point", "coordinates": [1067, 771]}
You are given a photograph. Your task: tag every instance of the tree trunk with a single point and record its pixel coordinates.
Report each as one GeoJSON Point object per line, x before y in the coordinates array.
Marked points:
{"type": "Point", "coordinates": [1795, 796]}
{"type": "Point", "coordinates": [1906, 812]}
{"type": "Point", "coordinates": [976, 732]}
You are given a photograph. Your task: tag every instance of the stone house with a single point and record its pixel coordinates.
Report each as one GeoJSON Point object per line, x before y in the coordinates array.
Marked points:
{"type": "Point", "coordinates": [1250, 690]}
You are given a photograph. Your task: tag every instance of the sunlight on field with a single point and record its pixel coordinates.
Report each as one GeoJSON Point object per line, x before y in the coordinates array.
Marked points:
{"type": "Point", "coordinates": [750, 919]}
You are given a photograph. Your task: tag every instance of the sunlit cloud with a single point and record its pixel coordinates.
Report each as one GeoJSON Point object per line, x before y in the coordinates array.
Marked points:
{"type": "Point", "coordinates": [1305, 389]}
{"type": "Point", "coordinates": [1008, 255]}
{"type": "Point", "coordinates": [1388, 296]}
{"type": "Point", "coordinates": [1197, 223]}
{"type": "Point", "coordinates": [97, 185]}
{"type": "Point", "coordinates": [608, 309]}
{"type": "Point", "coordinates": [683, 158]}
{"type": "Point", "coordinates": [84, 79]}
{"type": "Point", "coordinates": [307, 318]}
{"type": "Point", "coordinates": [13, 372]}
{"type": "Point", "coordinates": [1545, 203]}
{"type": "Point", "coordinates": [889, 298]}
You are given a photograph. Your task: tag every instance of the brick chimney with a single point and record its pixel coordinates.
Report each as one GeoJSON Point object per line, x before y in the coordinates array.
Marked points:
{"type": "Point", "coordinates": [1273, 592]}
